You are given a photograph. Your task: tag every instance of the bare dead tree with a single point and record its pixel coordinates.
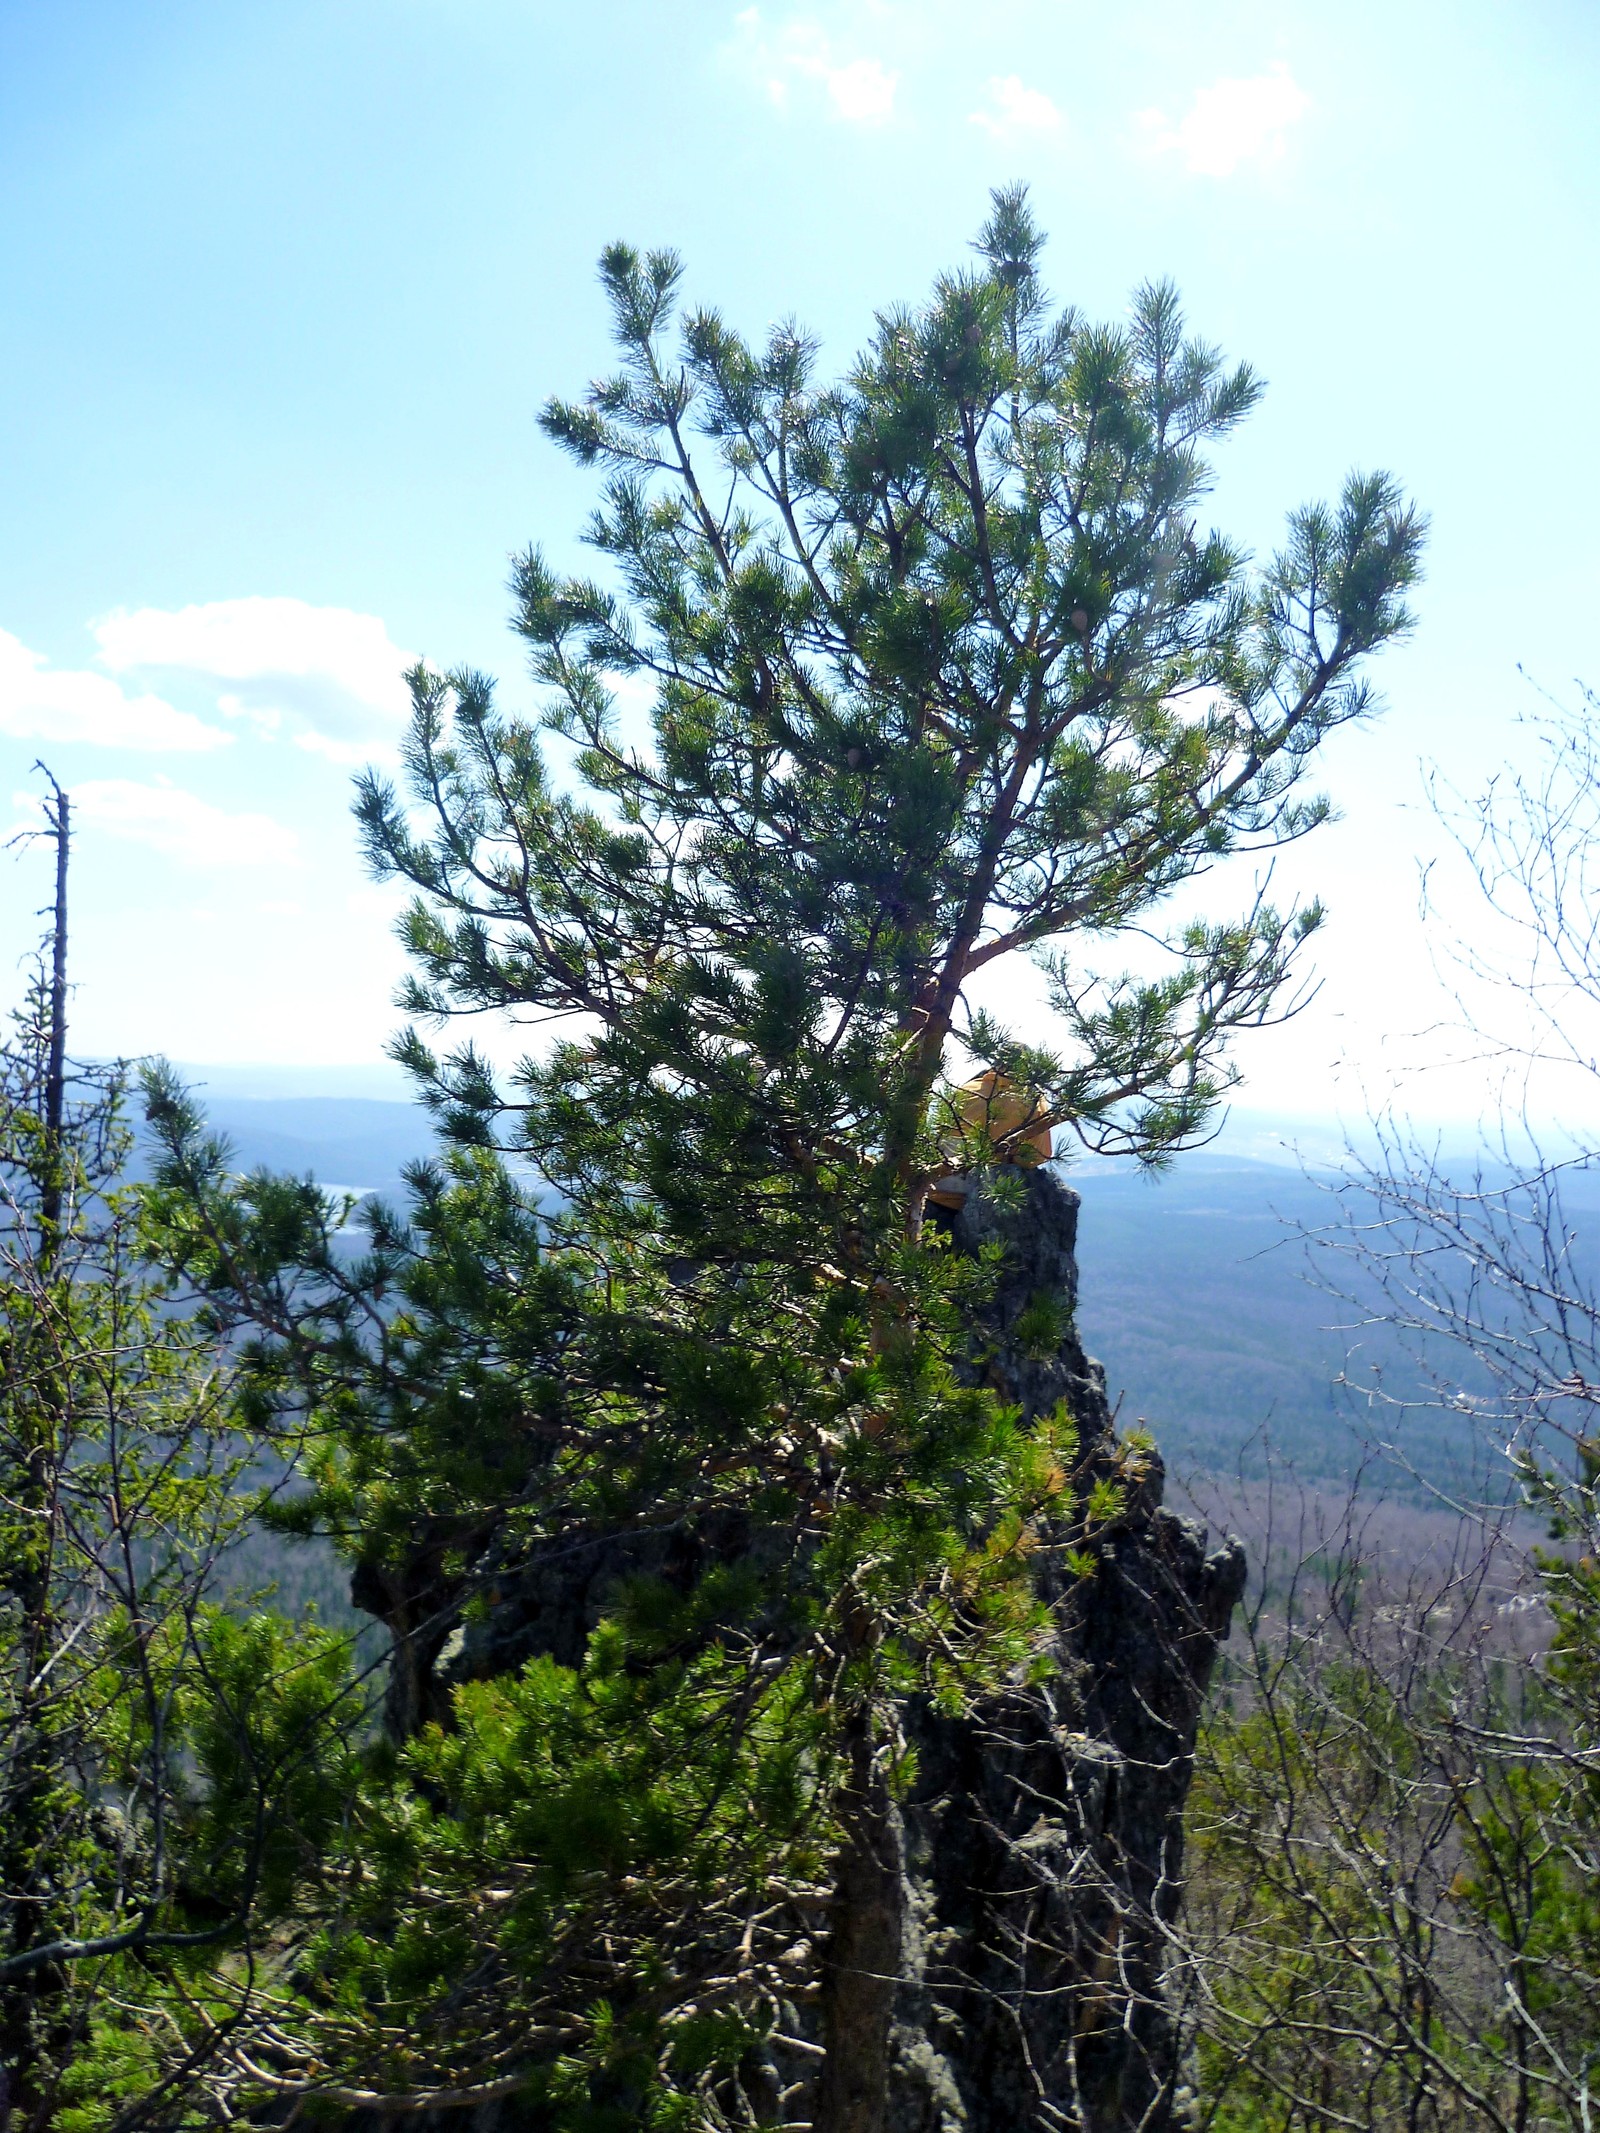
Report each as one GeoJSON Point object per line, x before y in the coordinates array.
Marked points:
{"type": "Point", "coordinates": [127, 1690]}
{"type": "Point", "coordinates": [1395, 1912]}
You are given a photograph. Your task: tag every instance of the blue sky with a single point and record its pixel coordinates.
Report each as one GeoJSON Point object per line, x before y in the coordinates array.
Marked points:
{"type": "Point", "coordinates": [285, 285]}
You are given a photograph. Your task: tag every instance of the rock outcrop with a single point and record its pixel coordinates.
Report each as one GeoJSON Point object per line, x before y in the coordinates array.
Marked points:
{"type": "Point", "coordinates": [1044, 1836]}
{"type": "Point", "coordinates": [1041, 1844]}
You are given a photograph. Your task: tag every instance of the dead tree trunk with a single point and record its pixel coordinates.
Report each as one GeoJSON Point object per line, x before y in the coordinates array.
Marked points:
{"type": "Point", "coordinates": [39, 1399]}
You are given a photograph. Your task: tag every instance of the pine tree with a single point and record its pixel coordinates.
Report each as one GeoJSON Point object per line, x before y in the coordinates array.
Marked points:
{"type": "Point", "coordinates": [944, 671]}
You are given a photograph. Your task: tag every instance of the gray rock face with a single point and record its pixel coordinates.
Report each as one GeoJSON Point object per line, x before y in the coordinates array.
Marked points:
{"type": "Point", "coordinates": [1044, 1837]}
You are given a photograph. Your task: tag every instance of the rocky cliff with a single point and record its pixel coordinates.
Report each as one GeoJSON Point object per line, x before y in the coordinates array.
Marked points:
{"type": "Point", "coordinates": [1044, 1838]}
{"type": "Point", "coordinates": [1041, 1846]}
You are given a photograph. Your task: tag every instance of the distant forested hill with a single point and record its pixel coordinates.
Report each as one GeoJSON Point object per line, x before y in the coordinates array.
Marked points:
{"type": "Point", "coordinates": [360, 1144]}
{"type": "Point", "coordinates": [1216, 1325]}
{"type": "Point", "coordinates": [1198, 1296]}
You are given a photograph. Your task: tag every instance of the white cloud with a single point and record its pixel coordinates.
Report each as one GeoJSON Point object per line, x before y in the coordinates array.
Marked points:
{"type": "Point", "coordinates": [860, 90]}
{"type": "Point", "coordinates": [1013, 108]}
{"type": "Point", "coordinates": [349, 755]}
{"type": "Point", "coordinates": [333, 674]}
{"type": "Point", "coordinates": [54, 705]}
{"type": "Point", "coordinates": [1240, 119]}
{"type": "Point", "coordinates": [182, 825]}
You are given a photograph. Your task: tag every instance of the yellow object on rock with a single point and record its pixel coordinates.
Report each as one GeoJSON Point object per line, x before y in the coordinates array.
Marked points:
{"type": "Point", "coordinates": [991, 1107]}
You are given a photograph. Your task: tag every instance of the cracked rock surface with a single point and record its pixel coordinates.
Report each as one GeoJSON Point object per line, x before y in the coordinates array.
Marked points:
{"type": "Point", "coordinates": [1044, 1836]}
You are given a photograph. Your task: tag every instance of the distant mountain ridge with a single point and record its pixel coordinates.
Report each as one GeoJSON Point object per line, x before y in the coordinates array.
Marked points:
{"type": "Point", "coordinates": [359, 1143]}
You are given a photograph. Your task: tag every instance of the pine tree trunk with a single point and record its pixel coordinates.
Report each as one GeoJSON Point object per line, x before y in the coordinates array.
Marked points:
{"type": "Point", "coordinates": [861, 1968]}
